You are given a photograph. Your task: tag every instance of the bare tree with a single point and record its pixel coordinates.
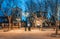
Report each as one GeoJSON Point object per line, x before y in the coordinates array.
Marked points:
{"type": "Point", "coordinates": [12, 14]}
{"type": "Point", "coordinates": [56, 17]}
{"type": "Point", "coordinates": [1, 1]}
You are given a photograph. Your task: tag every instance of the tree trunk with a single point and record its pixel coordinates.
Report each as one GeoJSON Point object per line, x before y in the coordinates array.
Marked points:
{"type": "Point", "coordinates": [9, 18]}
{"type": "Point", "coordinates": [56, 30]}
{"type": "Point", "coordinates": [57, 27]}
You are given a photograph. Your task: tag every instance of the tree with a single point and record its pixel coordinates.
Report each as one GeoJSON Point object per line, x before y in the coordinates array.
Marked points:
{"type": "Point", "coordinates": [1, 1]}
{"type": "Point", "coordinates": [56, 8]}
{"type": "Point", "coordinates": [13, 12]}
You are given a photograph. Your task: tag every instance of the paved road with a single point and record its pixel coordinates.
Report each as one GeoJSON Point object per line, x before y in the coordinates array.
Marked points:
{"type": "Point", "coordinates": [21, 34]}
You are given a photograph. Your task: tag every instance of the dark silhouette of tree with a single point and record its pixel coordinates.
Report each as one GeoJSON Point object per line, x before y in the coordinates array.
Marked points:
{"type": "Point", "coordinates": [16, 13]}
{"type": "Point", "coordinates": [1, 1]}
{"type": "Point", "coordinates": [56, 9]}
{"type": "Point", "coordinates": [12, 13]}
{"type": "Point", "coordinates": [39, 3]}
{"type": "Point", "coordinates": [31, 5]}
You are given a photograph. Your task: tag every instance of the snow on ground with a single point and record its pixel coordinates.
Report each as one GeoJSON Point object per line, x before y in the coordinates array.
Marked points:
{"type": "Point", "coordinates": [33, 34]}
